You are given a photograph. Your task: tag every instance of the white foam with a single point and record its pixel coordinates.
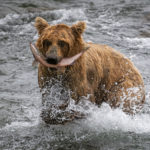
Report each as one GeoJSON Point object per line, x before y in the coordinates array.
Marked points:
{"type": "Point", "coordinates": [27, 28]}
{"type": "Point", "coordinates": [106, 119]}
{"type": "Point", "coordinates": [66, 15]}
{"type": "Point", "coordinates": [9, 18]}
{"type": "Point", "coordinates": [101, 119]}
{"type": "Point", "coordinates": [139, 42]}
{"type": "Point", "coordinates": [18, 124]}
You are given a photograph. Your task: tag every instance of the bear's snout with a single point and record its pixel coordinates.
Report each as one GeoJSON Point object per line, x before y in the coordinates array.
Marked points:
{"type": "Point", "coordinates": [52, 57]}
{"type": "Point", "coordinates": [53, 60]}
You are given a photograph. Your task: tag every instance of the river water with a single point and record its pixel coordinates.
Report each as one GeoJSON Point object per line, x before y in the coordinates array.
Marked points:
{"type": "Point", "coordinates": [121, 24]}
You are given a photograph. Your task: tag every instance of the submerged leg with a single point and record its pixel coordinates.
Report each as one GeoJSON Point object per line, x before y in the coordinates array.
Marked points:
{"type": "Point", "coordinates": [129, 99]}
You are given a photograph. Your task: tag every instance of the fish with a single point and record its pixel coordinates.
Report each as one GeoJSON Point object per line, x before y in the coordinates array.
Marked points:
{"type": "Point", "coordinates": [67, 61]}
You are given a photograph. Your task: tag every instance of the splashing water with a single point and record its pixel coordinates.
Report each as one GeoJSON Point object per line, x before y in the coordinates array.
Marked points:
{"type": "Point", "coordinates": [102, 118]}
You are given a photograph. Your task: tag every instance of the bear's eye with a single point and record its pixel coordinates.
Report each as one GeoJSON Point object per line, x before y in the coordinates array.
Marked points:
{"type": "Point", "coordinates": [61, 43]}
{"type": "Point", "coordinates": [47, 43]}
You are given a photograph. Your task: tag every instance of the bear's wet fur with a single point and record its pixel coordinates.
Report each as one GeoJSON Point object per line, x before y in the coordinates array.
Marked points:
{"type": "Point", "coordinates": [102, 72]}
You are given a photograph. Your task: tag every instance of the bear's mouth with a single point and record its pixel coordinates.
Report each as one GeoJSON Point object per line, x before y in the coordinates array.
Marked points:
{"type": "Point", "coordinates": [53, 60]}
{"type": "Point", "coordinates": [51, 63]}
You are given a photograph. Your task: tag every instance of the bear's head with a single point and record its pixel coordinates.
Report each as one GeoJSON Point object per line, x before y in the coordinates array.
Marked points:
{"type": "Point", "coordinates": [59, 41]}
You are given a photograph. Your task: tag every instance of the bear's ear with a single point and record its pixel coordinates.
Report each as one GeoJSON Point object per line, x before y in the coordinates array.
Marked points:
{"type": "Point", "coordinates": [79, 27]}
{"type": "Point", "coordinates": [40, 24]}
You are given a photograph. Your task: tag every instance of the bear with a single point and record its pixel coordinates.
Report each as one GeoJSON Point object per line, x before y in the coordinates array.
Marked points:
{"type": "Point", "coordinates": [101, 72]}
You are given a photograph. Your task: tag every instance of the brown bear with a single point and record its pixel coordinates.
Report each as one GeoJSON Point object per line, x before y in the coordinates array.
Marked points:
{"type": "Point", "coordinates": [101, 71]}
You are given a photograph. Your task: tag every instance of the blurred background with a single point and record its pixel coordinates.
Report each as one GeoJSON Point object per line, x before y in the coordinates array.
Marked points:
{"type": "Point", "coordinates": [121, 24]}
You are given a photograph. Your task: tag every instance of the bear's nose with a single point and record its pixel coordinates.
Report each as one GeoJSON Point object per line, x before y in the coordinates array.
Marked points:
{"type": "Point", "coordinates": [52, 60]}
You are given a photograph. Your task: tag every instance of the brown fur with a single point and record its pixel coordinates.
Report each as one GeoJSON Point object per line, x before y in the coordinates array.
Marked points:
{"type": "Point", "coordinates": [104, 73]}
